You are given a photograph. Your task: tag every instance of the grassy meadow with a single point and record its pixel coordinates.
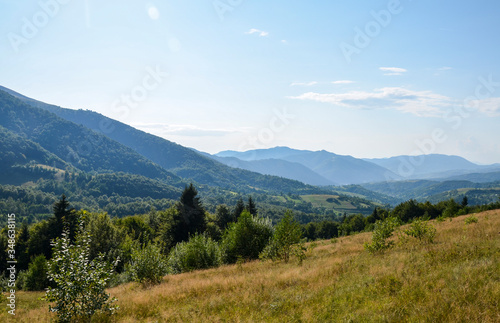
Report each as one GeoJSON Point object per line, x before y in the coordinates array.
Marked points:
{"type": "Point", "coordinates": [455, 279]}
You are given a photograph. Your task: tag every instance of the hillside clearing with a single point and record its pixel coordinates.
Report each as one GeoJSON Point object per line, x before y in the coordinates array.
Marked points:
{"type": "Point", "coordinates": [456, 279]}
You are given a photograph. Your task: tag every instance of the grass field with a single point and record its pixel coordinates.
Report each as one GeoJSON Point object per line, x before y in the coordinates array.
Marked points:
{"type": "Point", "coordinates": [456, 279]}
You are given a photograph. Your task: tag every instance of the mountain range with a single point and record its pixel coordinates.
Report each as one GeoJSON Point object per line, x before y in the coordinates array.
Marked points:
{"type": "Point", "coordinates": [50, 150]}
{"type": "Point", "coordinates": [333, 169]}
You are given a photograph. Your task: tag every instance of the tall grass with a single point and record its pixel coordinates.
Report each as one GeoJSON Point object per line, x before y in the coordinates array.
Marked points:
{"type": "Point", "coordinates": [455, 279]}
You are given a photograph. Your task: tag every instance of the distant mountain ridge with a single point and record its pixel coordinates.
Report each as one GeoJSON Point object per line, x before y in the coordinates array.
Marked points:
{"type": "Point", "coordinates": [430, 166]}
{"type": "Point", "coordinates": [332, 167]}
{"type": "Point", "coordinates": [346, 170]}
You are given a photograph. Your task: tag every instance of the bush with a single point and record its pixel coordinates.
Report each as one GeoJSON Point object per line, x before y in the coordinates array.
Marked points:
{"type": "Point", "coordinates": [36, 276]}
{"type": "Point", "coordinates": [200, 252]}
{"type": "Point", "coordinates": [383, 231]}
{"type": "Point", "coordinates": [421, 230]}
{"type": "Point", "coordinates": [246, 238]}
{"type": "Point", "coordinates": [148, 265]}
{"type": "Point", "coordinates": [80, 283]}
{"type": "Point", "coordinates": [286, 234]}
{"type": "Point", "coordinates": [471, 219]}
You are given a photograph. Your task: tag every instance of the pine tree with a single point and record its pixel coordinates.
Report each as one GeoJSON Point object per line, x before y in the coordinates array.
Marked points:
{"type": "Point", "coordinates": [189, 218]}
{"type": "Point", "coordinates": [63, 213]}
{"type": "Point", "coordinates": [238, 209]}
{"type": "Point", "coordinates": [223, 216]}
{"type": "Point", "coordinates": [251, 206]}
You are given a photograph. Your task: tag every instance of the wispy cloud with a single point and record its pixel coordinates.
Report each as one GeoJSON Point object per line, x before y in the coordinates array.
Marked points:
{"type": "Point", "coordinates": [489, 106]}
{"type": "Point", "coordinates": [420, 103]}
{"type": "Point", "coordinates": [445, 68]}
{"type": "Point", "coordinates": [304, 83]}
{"type": "Point", "coordinates": [393, 70]}
{"type": "Point", "coordinates": [261, 33]}
{"type": "Point", "coordinates": [166, 130]}
{"type": "Point", "coordinates": [343, 82]}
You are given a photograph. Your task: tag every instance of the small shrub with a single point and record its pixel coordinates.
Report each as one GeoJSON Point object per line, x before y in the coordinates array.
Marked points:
{"type": "Point", "coordinates": [246, 238]}
{"type": "Point", "coordinates": [148, 265]}
{"type": "Point", "coordinates": [421, 230]}
{"type": "Point", "coordinates": [80, 290]}
{"type": "Point", "coordinates": [471, 219]}
{"type": "Point", "coordinates": [200, 252]}
{"type": "Point", "coordinates": [36, 276]}
{"type": "Point", "coordinates": [286, 236]}
{"type": "Point", "coordinates": [383, 231]}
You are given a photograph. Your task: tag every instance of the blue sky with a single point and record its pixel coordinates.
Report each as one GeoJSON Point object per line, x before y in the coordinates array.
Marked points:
{"type": "Point", "coordinates": [361, 78]}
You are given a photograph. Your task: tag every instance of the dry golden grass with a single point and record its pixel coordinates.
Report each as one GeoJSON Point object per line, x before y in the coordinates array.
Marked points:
{"type": "Point", "coordinates": [456, 279]}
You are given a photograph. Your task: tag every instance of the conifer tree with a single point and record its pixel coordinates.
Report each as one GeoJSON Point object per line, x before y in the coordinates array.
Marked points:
{"type": "Point", "coordinates": [251, 206]}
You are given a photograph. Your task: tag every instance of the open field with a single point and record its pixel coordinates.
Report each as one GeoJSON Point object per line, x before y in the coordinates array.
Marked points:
{"type": "Point", "coordinates": [456, 279]}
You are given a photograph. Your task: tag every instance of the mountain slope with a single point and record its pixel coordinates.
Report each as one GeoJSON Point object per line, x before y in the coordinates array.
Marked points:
{"type": "Point", "coordinates": [75, 144]}
{"type": "Point", "coordinates": [175, 158]}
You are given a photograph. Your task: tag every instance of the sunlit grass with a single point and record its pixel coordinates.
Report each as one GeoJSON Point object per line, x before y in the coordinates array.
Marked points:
{"type": "Point", "coordinates": [455, 279]}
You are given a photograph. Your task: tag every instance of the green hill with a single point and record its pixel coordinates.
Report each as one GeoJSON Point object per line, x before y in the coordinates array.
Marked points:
{"type": "Point", "coordinates": [78, 146]}
{"type": "Point", "coordinates": [454, 279]}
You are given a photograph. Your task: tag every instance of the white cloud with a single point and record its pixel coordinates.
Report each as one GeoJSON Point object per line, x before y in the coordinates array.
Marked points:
{"type": "Point", "coordinates": [489, 107]}
{"type": "Point", "coordinates": [445, 68]}
{"type": "Point", "coordinates": [166, 130]}
{"type": "Point", "coordinates": [304, 83]}
{"type": "Point", "coordinates": [343, 82]}
{"type": "Point", "coordinates": [420, 103]}
{"type": "Point", "coordinates": [393, 70]}
{"type": "Point", "coordinates": [257, 31]}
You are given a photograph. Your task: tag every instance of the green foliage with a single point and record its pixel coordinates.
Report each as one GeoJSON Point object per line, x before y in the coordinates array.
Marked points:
{"type": "Point", "coordinates": [451, 209]}
{"type": "Point", "coordinates": [251, 207]}
{"type": "Point", "coordinates": [471, 219]}
{"type": "Point", "coordinates": [186, 218]}
{"type": "Point", "coordinates": [36, 276]}
{"type": "Point", "coordinates": [246, 238]}
{"type": "Point", "coordinates": [80, 282]}
{"type": "Point", "coordinates": [286, 236]}
{"type": "Point", "coordinates": [223, 216]}
{"type": "Point", "coordinates": [148, 265]}
{"type": "Point", "coordinates": [421, 230]}
{"type": "Point", "coordinates": [200, 252]}
{"type": "Point", "coordinates": [383, 231]}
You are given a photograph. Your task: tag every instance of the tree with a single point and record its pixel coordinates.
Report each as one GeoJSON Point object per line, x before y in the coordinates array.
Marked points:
{"type": "Point", "coordinates": [63, 214]}
{"type": "Point", "coordinates": [148, 265]}
{"type": "Point", "coordinates": [251, 206]}
{"type": "Point", "coordinates": [383, 231]}
{"type": "Point", "coordinates": [238, 209]}
{"type": "Point", "coordinates": [200, 252]}
{"type": "Point", "coordinates": [287, 233]}
{"type": "Point", "coordinates": [22, 251]}
{"type": "Point", "coordinates": [246, 238]}
{"type": "Point", "coordinates": [106, 238]}
{"type": "Point", "coordinates": [191, 214]}
{"type": "Point", "coordinates": [223, 216]}
{"type": "Point", "coordinates": [465, 201]}
{"type": "Point", "coordinates": [80, 282]}
{"type": "Point", "coordinates": [36, 277]}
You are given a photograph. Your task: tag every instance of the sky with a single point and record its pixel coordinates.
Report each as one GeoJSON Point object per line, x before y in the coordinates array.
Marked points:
{"type": "Point", "coordinates": [368, 78]}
